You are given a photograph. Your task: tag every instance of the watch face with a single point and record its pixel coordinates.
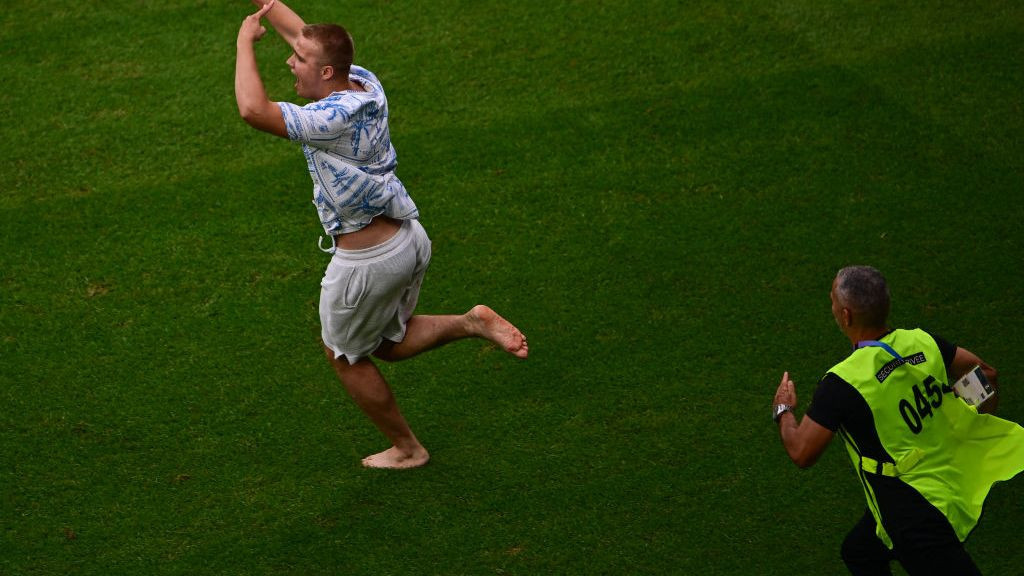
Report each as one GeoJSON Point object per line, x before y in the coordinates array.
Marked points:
{"type": "Point", "coordinates": [780, 409]}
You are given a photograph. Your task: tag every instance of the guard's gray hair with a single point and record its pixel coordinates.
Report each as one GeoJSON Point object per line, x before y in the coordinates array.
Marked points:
{"type": "Point", "coordinates": [863, 290]}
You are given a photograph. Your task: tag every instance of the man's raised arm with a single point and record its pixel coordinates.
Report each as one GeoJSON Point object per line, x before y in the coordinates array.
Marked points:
{"type": "Point", "coordinates": [253, 105]}
{"type": "Point", "coordinates": [287, 23]}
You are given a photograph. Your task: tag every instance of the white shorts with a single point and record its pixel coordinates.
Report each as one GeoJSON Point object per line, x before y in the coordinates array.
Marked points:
{"type": "Point", "coordinates": [369, 295]}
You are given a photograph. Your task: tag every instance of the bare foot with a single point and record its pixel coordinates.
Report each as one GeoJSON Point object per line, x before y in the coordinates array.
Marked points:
{"type": "Point", "coordinates": [488, 324]}
{"type": "Point", "coordinates": [395, 459]}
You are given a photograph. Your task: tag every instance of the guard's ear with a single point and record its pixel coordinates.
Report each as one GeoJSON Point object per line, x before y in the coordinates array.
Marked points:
{"type": "Point", "coordinates": [847, 315]}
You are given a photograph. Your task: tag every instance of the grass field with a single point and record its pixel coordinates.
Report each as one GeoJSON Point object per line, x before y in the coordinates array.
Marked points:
{"type": "Point", "coordinates": [657, 192]}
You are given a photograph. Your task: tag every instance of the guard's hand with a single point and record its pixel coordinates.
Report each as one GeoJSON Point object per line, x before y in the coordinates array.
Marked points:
{"type": "Point", "coordinates": [786, 393]}
{"type": "Point", "coordinates": [252, 30]}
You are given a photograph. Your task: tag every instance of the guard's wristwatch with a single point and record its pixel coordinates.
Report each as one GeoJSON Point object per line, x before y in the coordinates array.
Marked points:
{"type": "Point", "coordinates": [778, 410]}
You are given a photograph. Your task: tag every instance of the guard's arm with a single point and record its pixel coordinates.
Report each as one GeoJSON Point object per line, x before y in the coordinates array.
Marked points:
{"type": "Point", "coordinates": [287, 23]}
{"type": "Point", "coordinates": [963, 362]}
{"type": "Point", "coordinates": [253, 105]}
{"type": "Point", "coordinates": [805, 441]}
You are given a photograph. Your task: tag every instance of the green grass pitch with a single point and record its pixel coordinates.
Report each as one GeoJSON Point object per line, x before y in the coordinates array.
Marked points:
{"type": "Point", "coordinates": [657, 192]}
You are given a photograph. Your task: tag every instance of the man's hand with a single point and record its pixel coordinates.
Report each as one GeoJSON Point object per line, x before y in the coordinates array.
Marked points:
{"type": "Point", "coordinates": [252, 30]}
{"type": "Point", "coordinates": [285, 21]}
{"type": "Point", "coordinates": [805, 440]}
{"type": "Point", "coordinates": [963, 362]}
{"type": "Point", "coordinates": [786, 393]}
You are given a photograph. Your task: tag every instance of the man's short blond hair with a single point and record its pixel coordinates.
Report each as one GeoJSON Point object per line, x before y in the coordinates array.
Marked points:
{"type": "Point", "coordinates": [335, 44]}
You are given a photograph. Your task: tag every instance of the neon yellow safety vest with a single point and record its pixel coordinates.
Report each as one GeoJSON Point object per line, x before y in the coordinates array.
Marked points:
{"type": "Point", "coordinates": [940, 445]}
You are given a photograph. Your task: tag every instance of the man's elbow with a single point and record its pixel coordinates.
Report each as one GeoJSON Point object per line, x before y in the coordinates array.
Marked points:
{"type": "Point", "coordinates": [802, 461]}
{"type": "Point", "coordinates": [266, 119]}
{"type": "Point", "coordinates": [802, 458]}
{"type": "Point", "coordinates": [250, 114]}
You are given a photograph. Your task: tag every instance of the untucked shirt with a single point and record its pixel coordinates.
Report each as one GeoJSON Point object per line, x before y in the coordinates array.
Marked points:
{"type": "Point", "coordinates": [347, 145]}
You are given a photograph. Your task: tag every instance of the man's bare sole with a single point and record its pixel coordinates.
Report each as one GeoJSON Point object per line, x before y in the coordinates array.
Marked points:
{"type": "Point", "coordinates": [490, 325]}
{"type": "Point", "coordinates": [394, 459]}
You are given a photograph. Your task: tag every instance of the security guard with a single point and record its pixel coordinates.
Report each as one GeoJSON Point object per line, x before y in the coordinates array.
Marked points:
{"type": "Point", "coordinates": [926, 459]}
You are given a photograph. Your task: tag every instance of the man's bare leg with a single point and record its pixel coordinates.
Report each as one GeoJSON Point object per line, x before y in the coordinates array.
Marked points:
{"type": "Point", "coordinates": [367, 387]}
{"type": "Point", "coordinates": [428, 332]}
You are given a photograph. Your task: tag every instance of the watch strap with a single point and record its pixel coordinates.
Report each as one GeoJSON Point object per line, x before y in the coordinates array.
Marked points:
{"type": "Point", "coordinates": [778, 410]}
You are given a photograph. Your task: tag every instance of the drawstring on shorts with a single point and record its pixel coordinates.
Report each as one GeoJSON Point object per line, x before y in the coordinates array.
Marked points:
{"type": "Point", "coordinates": [320, 245]}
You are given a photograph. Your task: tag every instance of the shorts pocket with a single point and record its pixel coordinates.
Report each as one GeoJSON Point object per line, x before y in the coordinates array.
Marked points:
{"type": "Point", "coordinates": [344, 286]}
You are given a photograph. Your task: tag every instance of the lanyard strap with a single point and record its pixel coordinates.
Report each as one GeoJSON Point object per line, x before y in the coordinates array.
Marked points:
{"type": "Point", "coordinates": [883, 345]}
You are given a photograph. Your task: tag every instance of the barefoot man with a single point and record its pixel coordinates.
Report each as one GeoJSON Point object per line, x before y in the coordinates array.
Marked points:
{"type": "Point", "coordinates": [379, 251]}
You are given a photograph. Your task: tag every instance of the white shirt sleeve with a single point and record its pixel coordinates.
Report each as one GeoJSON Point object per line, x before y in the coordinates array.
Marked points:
{"type": "Point", "coordinates": [315, 124]}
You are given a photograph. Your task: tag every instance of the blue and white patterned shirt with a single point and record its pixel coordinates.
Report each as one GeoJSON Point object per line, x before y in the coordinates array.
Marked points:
{"type": "Point", "coordinates": [348, 149]}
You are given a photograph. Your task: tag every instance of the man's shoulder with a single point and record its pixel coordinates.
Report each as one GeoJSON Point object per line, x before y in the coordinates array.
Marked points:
{"type": "Point", "coordinates": [928, 337]}
{"type": "Point", "coordinates": [831, 402]}
{"type": "Point", "coordinates": [357, 70]}
{"type": "Point", "coordinates": [350, 101]}
{"type": "Point", "coordinates": [832, 380]}
{"type": "Point", "coordinates": [335, 109]}
{"type": "Point", "coordinates": [947, 349]}
{"type": "Point", "coordinates": [920, 332]}
{"type": "Point", "coordinates": [834, 385]}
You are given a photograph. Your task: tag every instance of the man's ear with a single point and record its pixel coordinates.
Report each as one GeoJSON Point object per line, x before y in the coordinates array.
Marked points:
{"type": "Point", "coordinates": [847, 315]}
{"type": "Point", "coordinates": [326, 73]}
